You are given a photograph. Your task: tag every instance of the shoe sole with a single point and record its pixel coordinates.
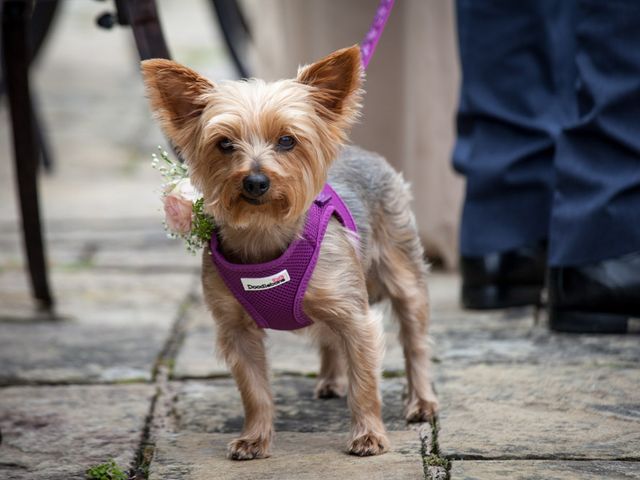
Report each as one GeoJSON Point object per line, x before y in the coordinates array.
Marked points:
{"type": "Point", "coordinates": [496, 297]}
{"type": "Point", "coordinates": [592, 322]}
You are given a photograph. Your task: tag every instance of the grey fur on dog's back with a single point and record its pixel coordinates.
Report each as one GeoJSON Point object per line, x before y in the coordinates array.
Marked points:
{"type": "Point", "coordinates": [369, 185]}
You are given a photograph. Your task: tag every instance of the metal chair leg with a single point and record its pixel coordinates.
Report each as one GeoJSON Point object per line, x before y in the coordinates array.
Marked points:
{"type": "Point", "coordinates": [15, 31]}
{"type": "Point", "coordinates": [39, 26]}
{"type": "Point", "coordinates": [235, 31]}
{"type": "Point", "coordinates": [44, 14]}
{"type": "Point", "coordinates": [41, 136]}
{"type": "Point", "coordinates": [143, 17]}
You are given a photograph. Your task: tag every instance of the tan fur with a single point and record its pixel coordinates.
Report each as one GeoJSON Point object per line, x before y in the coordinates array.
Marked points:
{"type": "Point", "coordinates": [317, 109]}
{"type": "Point", "coordinates": [332, 378]}
{"type": "Point", "coordinates": [398, 270]}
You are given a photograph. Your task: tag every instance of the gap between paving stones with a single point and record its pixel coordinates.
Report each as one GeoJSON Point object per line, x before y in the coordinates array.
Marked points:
{"type": "Point", "coordinates": [435, 466]}
{"type": "Point", "coordinates": [98, 245]}
{"type": "Point", "coordinates": [160, 377]}
{"type": "Point", "coordinates": [438, 466]}
{"type": "Point", "coordinates": [553, 458]}
{"type": "Point", "coordinates": [276, 374]}
{"type": "Point", "coordinates": [67, 351]}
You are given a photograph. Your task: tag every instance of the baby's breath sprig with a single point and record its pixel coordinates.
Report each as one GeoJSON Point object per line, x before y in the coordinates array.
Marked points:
{"type": "Point", "coordinates": [171, 170]}
{"type": "Point", "coordinates": [183, 205]}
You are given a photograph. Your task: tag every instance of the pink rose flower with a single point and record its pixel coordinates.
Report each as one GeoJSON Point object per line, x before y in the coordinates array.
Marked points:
{"type": "Point", "coordinates": [177, 211]}
{"type": "Point", "coordinates": [183, 189]}
{"type": "Point", "coordinates": [178, 205]}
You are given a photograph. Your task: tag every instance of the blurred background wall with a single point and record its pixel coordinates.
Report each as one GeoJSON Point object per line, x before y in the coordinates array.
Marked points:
{"type": "Point", "coordinates": [90, 96]}
{"type": "Point", "coordinates": [412, 87]}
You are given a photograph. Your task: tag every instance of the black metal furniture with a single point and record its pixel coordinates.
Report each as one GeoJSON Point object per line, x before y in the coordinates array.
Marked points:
{"type": "Point", "coordinates": [24, 28]}
{"type": "Point", "coordinates": [17, 57]}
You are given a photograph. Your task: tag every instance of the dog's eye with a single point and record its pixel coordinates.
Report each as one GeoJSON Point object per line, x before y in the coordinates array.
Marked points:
{"type": "Point", "coordinates": [286, 142]}
{"type": "Point", "coordinates": [226, 145]}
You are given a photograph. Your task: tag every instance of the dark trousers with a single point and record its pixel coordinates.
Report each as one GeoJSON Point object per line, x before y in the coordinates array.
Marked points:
{"type": "Point", "coordinates": [549, 127]}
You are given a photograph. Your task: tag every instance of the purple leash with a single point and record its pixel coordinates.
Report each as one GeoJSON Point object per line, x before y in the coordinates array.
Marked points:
{"type": "Point", "coordinates": [368, 45]}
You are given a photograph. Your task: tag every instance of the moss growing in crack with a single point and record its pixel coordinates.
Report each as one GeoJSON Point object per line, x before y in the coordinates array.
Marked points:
{"type": "Point", "coordinates": [106, 471]}
{"type": "Point", "coordinates": [437, 461]}
{"type": "Point", "coordinates": [78, 265]}
{"type": "Point", "coordinates": [131, 380]}
{"type": "Point", "coordinates": [170, 363]}
{"type": "Point", "coordinates": [167, 364]}
{"type": "Point", "coordinates": [435, 445]}
{"type": "Point", "coordinates": [435, 466]}
{"type": "Point", "coordinates": [145, 456]}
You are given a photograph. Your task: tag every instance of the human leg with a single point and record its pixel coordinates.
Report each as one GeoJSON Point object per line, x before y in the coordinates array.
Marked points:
{"type": "Point", "coordinates": [511, 106]}
{"type": "Point", "coordinates": [594, 251]}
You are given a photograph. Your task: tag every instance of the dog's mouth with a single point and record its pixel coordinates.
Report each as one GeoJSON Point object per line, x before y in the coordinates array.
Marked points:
{"type": "Point", "coordinates": [253, 201]}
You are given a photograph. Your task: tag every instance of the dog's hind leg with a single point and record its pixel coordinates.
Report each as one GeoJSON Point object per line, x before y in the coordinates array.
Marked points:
{"type": "Point", "coordinates": [401, 270]}
{"type": "Point", "coordinates": [410, 307]}
{"type": "Point", "coordinates": [332, 378]}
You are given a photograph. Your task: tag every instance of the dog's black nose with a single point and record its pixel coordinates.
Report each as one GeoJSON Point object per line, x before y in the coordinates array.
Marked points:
{"type": "Point", "coordinates": [256, 184]}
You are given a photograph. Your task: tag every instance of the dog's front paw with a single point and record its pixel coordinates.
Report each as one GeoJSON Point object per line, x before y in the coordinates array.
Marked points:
{"type": "Point", "coordinates": [248, 448]}
{"type": "Point", "coordinates": [421, 410]}
{"type": "Point", "coordinates": [369, 444]}
{"type": "Point", "coordinates": [331, 388]}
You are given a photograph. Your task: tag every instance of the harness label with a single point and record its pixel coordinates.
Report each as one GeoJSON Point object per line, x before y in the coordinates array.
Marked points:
{"type": "Point", "coordinates": [265, 283]}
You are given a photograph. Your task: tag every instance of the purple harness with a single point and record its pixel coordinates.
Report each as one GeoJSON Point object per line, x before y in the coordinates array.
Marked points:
{"type": "Point", "coordinates": [272, 292]}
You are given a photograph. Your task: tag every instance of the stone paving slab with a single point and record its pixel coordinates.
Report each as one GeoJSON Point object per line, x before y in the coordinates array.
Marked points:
{"type": "Point", "coordinates": [534, 412]}
{"type": "Point", "coordinates": [295, 456]}
{"type": "Point", "coordinates": [56, 433]}
{"type": "Point", "coordinates": [544, 470]}
{"type": "Point", "coordinates": [136, 245]}
{"type": "Point", "coordinates": [288, 352]}
{"type": "Point", "coordinates": [112, 326]}
{"type": "Point", "coordinates": [68, 352]}
{"type": "Point", "coordinates": [215, 406]}
{"type": "Point", "coordinates": [515, 337]}
{"type": "Point", "coordinates": [310, 439]}
{"type": "Point", "coordinates": [197, 357]}
{"type": "Point", "coordinates": [159, 257]}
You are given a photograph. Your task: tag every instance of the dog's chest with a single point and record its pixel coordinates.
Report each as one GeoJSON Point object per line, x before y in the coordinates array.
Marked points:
{"type": "Point", "coordinates": [272, 293]}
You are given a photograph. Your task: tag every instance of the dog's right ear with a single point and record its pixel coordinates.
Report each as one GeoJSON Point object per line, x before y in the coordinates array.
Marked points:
{"type": "Point", "coordinates": [177, 95]}
{"type": "Point", "coordinates": [336, 80]}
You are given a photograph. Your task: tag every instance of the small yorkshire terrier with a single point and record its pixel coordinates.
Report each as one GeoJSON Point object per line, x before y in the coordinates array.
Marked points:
{"type": "Point", "coordinates": [261, 153]}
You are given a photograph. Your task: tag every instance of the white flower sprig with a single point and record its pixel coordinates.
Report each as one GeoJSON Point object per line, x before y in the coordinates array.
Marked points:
{"type": "Point", "coordinates": [183, 204]}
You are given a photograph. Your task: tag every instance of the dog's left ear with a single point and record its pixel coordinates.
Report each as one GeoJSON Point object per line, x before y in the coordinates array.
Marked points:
{"type": "Point", "coordinates": [336, 79]}
{"type": "Point", "coordinates": [176, 94]}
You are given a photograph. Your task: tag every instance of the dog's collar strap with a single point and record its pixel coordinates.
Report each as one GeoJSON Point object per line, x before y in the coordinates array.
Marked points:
{"type": "Point", "coordinates": [272, 292]}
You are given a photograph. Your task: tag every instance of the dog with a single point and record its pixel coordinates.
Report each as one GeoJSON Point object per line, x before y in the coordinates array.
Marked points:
{"type": "Point", "coordinates": [261, 153]}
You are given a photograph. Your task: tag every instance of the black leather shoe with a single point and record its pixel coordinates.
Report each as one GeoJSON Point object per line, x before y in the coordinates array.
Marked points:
{"type": "Point", "coordinates": [501, 280]}
{"type": "Point", "coordinates": [602, 297]}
